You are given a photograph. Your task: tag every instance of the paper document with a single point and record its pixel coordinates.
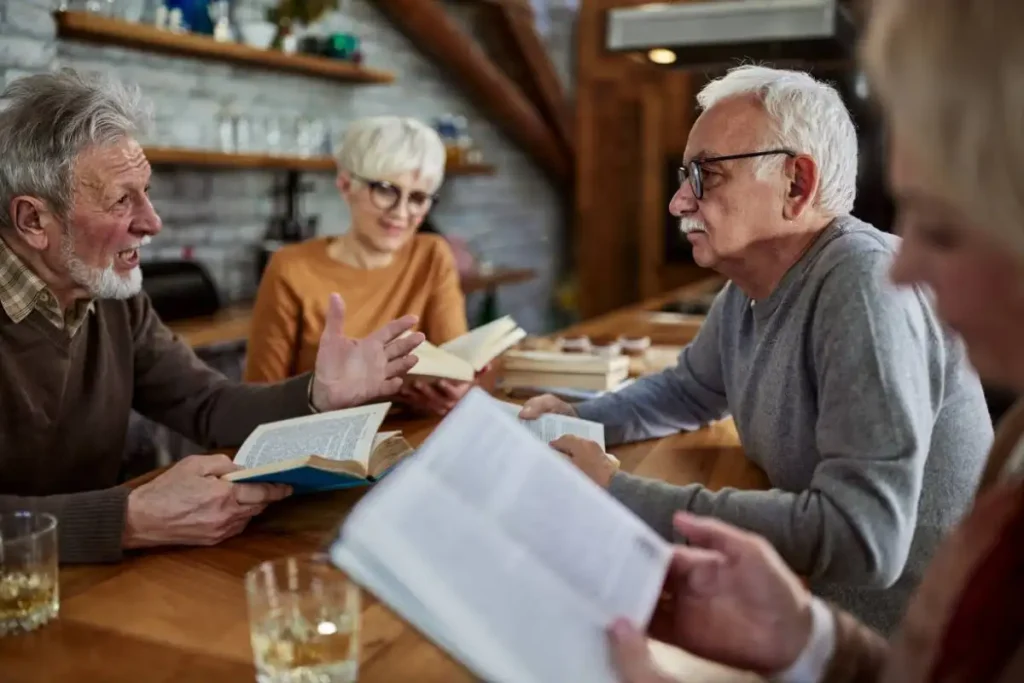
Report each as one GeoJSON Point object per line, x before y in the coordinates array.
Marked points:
{"type": "Point", "coordinates": [509, 558]}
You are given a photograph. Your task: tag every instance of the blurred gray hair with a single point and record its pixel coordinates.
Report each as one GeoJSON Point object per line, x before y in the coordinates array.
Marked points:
{"type": "Point", "coordinates": [48, 120]}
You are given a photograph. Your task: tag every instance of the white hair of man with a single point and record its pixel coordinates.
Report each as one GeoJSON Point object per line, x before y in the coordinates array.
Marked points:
{"type": "Point", "coordinates": [378, 147]}
{"type": "Point", "coordinates": [48, 120]}
{"type": "Point", "coordinates": [807, 116]}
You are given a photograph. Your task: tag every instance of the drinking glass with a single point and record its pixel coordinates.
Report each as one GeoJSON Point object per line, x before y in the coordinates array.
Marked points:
{"type": "Point", "coordinates": [29, 595]}
{"type": "Point", "coordinates": [303, 621]}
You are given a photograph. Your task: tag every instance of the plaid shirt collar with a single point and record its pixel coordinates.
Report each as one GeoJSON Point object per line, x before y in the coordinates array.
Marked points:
{"type": "Point", "coordinates": [21, 292]}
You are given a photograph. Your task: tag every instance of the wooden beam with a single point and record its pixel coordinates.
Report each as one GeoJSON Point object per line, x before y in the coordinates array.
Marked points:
{"type": "Point", "coordinates": [545, 81]}
{"type": "Point", "coordinates": [430, 28]}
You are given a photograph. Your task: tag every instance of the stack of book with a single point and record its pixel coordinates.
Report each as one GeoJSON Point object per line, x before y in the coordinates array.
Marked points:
{"type": "Point", "coordinates": [557, 370]}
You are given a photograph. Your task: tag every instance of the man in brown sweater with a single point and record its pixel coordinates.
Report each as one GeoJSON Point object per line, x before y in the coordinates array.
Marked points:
{"type": "Point", "coordinates": [80, 344]}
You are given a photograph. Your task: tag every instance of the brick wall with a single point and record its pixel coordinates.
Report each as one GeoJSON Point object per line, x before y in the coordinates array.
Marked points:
{"type": "Point", "coordinates": [514, 218]}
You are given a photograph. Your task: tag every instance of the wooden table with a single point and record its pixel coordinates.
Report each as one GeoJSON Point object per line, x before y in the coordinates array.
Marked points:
{"type": "Point", "coordinates": [179, 615]}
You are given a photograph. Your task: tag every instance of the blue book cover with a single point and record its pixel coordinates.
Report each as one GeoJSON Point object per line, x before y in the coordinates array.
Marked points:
{"type": "Point", "coordinates": [323, 452]}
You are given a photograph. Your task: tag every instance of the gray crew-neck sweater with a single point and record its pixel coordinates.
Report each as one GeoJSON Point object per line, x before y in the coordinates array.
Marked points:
{"type": "Point", "coordinates": [848, 392]}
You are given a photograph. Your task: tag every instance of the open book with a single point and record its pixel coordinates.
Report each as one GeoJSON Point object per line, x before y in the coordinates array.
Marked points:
{"type": "Point", "coordinates": [334, 450]}
{"type": "Point", "coordinates": [503, 553]}
{"type": "Point", "coordinates": [463, 357]}
{"type": "Point", "coordinates": [549, 426]}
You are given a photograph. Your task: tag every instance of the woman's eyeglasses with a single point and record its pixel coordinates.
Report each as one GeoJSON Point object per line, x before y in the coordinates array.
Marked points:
{"type": "Point", "coordinates": [387, 196]}
{"type": "Point", "coordinates": [693, 172]}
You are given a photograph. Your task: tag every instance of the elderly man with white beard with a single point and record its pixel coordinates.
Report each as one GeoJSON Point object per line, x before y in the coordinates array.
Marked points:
{"type": "Point", "coordinates": [80, 344]}
{"type": "Point", "coordinates": [859, 406]}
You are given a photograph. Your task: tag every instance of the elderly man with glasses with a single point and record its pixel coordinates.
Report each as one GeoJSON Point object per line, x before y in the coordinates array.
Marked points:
{"type": "Point", "coordinates": [859, 406]}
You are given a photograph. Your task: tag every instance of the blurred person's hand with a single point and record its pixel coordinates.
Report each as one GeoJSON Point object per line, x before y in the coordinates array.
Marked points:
{"type": "Point", "coordinates": [589, 457]}
{"type": "Point", "coordinates": [728, 598]}
{"type": "Point", "coordinates": [539, 405]}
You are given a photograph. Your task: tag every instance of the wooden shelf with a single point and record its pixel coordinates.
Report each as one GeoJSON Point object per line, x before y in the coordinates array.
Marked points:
{"type": "Point", "coordinates": [98, 29]}
{"type": "Point", "coordinates": [170, 156]}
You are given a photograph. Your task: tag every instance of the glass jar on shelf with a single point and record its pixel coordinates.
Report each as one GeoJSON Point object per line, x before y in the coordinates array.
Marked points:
{"type": "Point", "coordinates": [225, 126]}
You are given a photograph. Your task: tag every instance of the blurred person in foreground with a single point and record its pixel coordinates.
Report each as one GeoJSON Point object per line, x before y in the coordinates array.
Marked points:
{"type": "Point", "coordinates": [948, 74]}
{"type": "Point", "coordinates": [390, 170]}
{"type": "Point", "coordinates": [861, 408]}
{"type": "Point", "coordinates": [81, 346]}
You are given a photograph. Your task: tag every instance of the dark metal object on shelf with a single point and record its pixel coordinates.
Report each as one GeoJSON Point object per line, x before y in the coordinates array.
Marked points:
{"type": "Point", "coordinates": [287, 225]}
{"type": "Point", "coordinates": [180, 289]}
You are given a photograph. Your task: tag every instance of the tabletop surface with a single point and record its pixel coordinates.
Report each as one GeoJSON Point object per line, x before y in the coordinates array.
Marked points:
{"type": "Point", "coordinates": [179, 615]}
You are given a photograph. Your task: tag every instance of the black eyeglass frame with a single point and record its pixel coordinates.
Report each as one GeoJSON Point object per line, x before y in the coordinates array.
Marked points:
{"type": "Point", "coordinates": [402, 192]}
{"type": "Point", "coordinates": [692, 172]}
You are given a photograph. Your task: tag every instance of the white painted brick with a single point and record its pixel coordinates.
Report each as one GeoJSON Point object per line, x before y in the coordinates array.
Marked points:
{"type": "Point", "coordinates": [26, 52]}
{"type": "Point", "coordinates": [27, 18]}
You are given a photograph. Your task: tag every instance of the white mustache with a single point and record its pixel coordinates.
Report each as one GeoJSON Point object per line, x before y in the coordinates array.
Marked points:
{"type": "Point", "coordinates": [689, 224]}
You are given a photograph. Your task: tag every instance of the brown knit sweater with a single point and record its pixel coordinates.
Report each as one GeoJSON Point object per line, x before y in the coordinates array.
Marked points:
{"type": "Point", "coordinates": [862, 656]}
{"type": "Point", "coordinates": [65, 403]}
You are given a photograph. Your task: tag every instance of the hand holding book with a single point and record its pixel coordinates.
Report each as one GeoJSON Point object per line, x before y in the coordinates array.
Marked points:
{"type": "Point", "coordinates": [589, 457]}
{"type": "Point", "coordinates": [435, 396]}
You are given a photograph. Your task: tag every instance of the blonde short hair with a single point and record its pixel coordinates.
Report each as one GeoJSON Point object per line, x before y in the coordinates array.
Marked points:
{"type": "Point", "coordinates": [950, 76]}
{"type": "Point", "coordinates": [381, 146]}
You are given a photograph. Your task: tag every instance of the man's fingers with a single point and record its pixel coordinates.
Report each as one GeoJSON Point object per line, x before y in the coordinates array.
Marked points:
{"type": "Point", "coordinates": [213, 465]}
{"type": "Point", "coordinates": [400, 348]}
{"type": "Point", "coordinates": [536, 407]}
{"type": "Point", "coordinates": [335, 319]}
{"type": "Point", "coordinates": [259, 494]}
{"type": "Point", "coordinates": [398, 368]}
{"type": "Point", "coordinates": [705, 532]}
{"type": "Point", "coordinates": [566, 443]}
{"type": "Point", "coordinates": [631, 655]}
{"type": "Point", "coordinates": [699, 568]}
{"type": "Point", "coordinates": [394, 329]}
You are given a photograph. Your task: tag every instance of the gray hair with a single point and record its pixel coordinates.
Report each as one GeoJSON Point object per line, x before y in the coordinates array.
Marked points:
{"type": "Point", "coordinates": [808, 116]}
{"type": "Point", "coordinates": [49, 119]}
{"type": "Point", "coordinates": [379, 146]}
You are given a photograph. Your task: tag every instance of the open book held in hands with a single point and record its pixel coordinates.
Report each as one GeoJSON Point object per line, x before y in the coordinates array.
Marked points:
{"type": "Point", "coordinates": [335, 450]}
{"type": "Point", "coordinates": [551, 426]}
{"type": "Point", "coordinates": [463, 357]}
{"type": "Point", "coordinates": [504, 554]}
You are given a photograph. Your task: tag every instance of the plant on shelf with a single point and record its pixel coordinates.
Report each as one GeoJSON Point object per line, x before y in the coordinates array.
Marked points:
{"type": "Point", "coordinates": [291, 13]}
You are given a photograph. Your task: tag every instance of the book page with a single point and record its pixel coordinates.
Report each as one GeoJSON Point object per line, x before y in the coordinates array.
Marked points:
{"type": "Point", "coordinates": [479, 341]}
{"type": "Point", "coordinates": [549, 427]}
{"type": "Point", "coordinates": [507, 549]}
{"type": "Point", "coordinates": [389, 448]}
{"type": "Point", "coordinates": [338, 435]}
{"type": "Point", "coordinates": [437, 362]}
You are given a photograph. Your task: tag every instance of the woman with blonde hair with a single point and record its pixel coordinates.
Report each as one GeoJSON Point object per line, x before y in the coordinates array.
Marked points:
{"type": "Point", "coordinates": [390, 169]}
{"type": "Point", "coordinates": [950, 77]}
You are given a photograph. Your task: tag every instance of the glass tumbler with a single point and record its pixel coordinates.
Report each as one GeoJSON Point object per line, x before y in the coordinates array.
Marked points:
{"type": "Point", "coordinates": [303, 621]}
{"type": "Point", "coordinates": [29, 594]}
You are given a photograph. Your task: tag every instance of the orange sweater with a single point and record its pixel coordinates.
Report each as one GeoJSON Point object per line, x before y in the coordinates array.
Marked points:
{"type": "Point", "coordinates": [291, 304]}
